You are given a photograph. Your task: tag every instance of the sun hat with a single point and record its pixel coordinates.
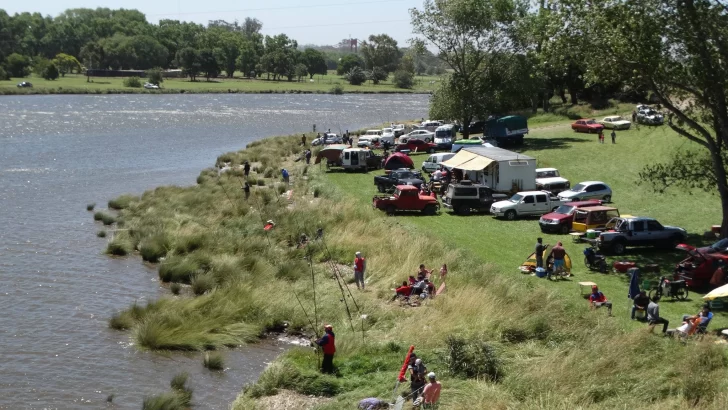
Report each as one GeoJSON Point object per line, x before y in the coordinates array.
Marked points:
{"type": "Point", "coordinates": [431, 375]}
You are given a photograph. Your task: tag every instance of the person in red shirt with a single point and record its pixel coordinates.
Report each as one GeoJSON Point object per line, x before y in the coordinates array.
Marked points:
{"type": "Point", "coordinates": [405, 290]}
{"type": "Point", "coordinates": [328, 345]}
{"type": "Point", "coordinates": [597, 300]}
{"type": "Point", "coordinates": [359, 268]}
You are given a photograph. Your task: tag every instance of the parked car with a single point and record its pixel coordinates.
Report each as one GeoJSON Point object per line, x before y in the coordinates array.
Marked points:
{"type": "Point", "coordinates": [25, 84]}
{"type": "Point", "coordinates": [561, 219]}
{"type": "Point", "coordinates": [398, 129]}
{"type": "Point", "coordinates": [593, 217]}
{"type": "Point", "coordinates": [620, 233]}
{"type": "Point", "coordinates": [698, 268]}
{"type": "Point", "coordinates": [549, 179]}
{"type": "Point", "coordinates": [719, 247]}
{"type": "Point", "coordinates": [616, 122]}
{"type": "Point", "coordinates": [327, 139]}
{"type": "Point", "coordinates": [443, 144]}
{"type": "Point", "coordinates": [429, 125]}
{"type": "Point", "coordinates": [588, 190]}
{"type": "Point", "coordinates": [422, 135]}
{"type": "Point", "coordinates": [466, 196]}
{"type": "Point", "coordinates": [406, 198]}
{"type": "Point", "coordinates": [150, 86]}
{"type": "Point", "coordinates": [587, 126]}
{"type": "Point", "coordinates": [649, 116]}
{"type": "Point", "coordinates": [416, 146]}
{"type": "Point", "coordinates": [433, 161]}
{"type": "Point", "coordinates": [398, 177]}
{"type": "Point", "coordinates": [526, 203]}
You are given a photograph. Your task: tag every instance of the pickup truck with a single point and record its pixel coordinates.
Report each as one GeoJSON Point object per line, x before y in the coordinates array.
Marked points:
{"type": "Point", "coordinates": [619, 233]}
{"type": "Point", "coordinates": [406, 198]}
{"type": "Point", "coordinates": [526, 203]}
{"type": "Point", "coordinates": [388, 181]}
{"type": "Point", "coordinates": [549, 179]}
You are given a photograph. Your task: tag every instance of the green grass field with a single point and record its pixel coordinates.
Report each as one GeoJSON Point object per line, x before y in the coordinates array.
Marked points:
{"type": "Point", "coordinates": [76, 83]}
{"type": "Point", "coordinates": [579, 157]}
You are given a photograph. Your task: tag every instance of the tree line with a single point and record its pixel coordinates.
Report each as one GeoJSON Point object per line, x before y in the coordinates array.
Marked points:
{"type": "Point", "coordinates": [103, 38]}
{"type": "Point", "coordinates": [506, 55]}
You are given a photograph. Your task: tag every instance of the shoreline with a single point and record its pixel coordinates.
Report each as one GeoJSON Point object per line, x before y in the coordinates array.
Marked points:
{"type": "Point", "coordinates": [74, 91]}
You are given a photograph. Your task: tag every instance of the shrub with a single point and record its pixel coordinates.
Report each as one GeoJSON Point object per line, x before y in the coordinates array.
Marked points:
{"type": "Point", "coordinates": [403, 79]}
{"type": "Point", "coordinates": [473, 359]}
{"type": "Point", "coordinates": [154, 76]}
{"type": "Point", "coordinates": [281, 189]}
{"type": "Point", "coordinates": [213, 361]}
{"type": "Point", "coordinates": [90, 207]}
{"type": "Point", "coordinates": [377, 74]}
{"type": "Point", "coordinates": [50, 72]}
{"type": "Point", "coordinates": [356, 76]}
{"type": "Point", "coordinates": [119, 247]}
{"type": "Point", "coordinates": [260, 182]}
{"type": "Point", "coordinates": [132, 82]}
{"type": "Point", "coordinates": [202, 284]}
{"type": "Point", "coordinates": [122, 202]}
{"type": "Point", "coordinates": [101, 234]}
{"type": "Point", "coordinates": [98, 216]}
{"type": "Point", "coordinates": [175, 288]}
{"type": "Point", "coordinates": [268, 173]}
{"type": "Point", "coordinates": [154, 248]}
{"type": "Point", "coordinates": [178, 270]}
{"type": "Point", "coordinates": [107, 219]}
{"type": "Point", "coordinates": [337, 89]}
{"type": "Point", "coordinates": [17, 65]}
{"type": "Point", "coordinates": [120, 322]}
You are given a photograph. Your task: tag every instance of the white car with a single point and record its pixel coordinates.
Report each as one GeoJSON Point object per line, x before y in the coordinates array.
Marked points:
{"type": "Point", "coordinates": [615, 122]}
{"type": "Point", "coordinates": [647, 115]}
{"type": "Point", "coordinates": [422, 135]}
{"type": "Point", "coordinates": [150, 86]}
{"type": "Point", "coordinates": [398, 129]}
{"type": "Point", "coordinates": [327, 139]}
{"type": "Point", "coordinates": [549, 179]}
{"type": "Point", "coordinates": [587, 190]}
{"type": "Point", "coordinates": [433, 162]}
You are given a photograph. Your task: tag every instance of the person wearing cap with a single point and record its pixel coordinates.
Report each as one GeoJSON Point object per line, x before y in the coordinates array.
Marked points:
{"type": "Point", "coordinates": [417, 377]}
{"type": "Point", "coordinates": [360, 265]}
{"type": "Point", "coordinates": [328, 345]}
{"type": "Point", "coordinates": [597, 300]}
{"type": "Point", "coordinates": [431, 393]}
{"type": "Point", "coordinates": [653, 315]}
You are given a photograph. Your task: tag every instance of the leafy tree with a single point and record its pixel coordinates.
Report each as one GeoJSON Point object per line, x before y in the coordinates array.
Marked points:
{"type": "Point", "coordinates": [281, 56]}
{"type": "Point", "coordinates": [209, 64]}
{"type": "Point", "coordinates": [92, 53]}
{"type": "Point", "coordinates": [39, 65]}
{"type": "Point", "coordinates": [377, 74]}
{"type": "Point", "coordinates": [51, 72]}
{"type": "Point", "coordinates": [407, 64]}
{"type": "Point", "coordinates": [301, 71]}
{"type": "Point", "coordinates": [3, 74]}
{"type": "Point", "coordinates": [155, 76]}
{"type": "Point", "coordinates": [314, 61]}
{"type": "Point", "coordinates": [251, 26]}
{"type": "Point", "coordinates": [189, 59]}
{"type": "Point", "coordinates": [66, 63]}
{"type": "Point", "coordinates": [678, 49]}
{"type": "Point", "coordinates": [251, 50]}
{"type": "Point", "coordinates": [347, 62]}
{"type": "Point", "coordinates": [381, 51]}
{"type": "Point", "coordinates": [17, 65]}
{"type": "Point", "coordinates": [465, 33]}
{"type": "Point", "coordinates": [356, 76]}
{"type": "Point", "coordinates": [403, 79]}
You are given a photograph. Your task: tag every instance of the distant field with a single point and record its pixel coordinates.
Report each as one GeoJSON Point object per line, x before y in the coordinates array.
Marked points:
{"type": "Point", "coordinates": [76, 83]}
{"type": "Point", "coordinates": [579, 157]}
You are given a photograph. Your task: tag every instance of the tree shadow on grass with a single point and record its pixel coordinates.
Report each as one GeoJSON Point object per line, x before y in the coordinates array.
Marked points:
{"type": "Point", "coordinates": [540, 144]}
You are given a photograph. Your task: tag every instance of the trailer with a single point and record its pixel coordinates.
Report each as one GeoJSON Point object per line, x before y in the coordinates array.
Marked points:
{"type": "Point", "coordinates": [502, 170]}
{"type": "Point", "coordinates": [507, 130]}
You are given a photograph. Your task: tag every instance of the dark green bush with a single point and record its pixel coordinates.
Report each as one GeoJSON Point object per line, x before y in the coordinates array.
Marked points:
{"type": "Point", "coordinates": [132, 82]}
{"type": "Point", "coordinates": [177, 269]}
{"type": "Point", "coordinates": [403, 79]}
{"type": "Point", "coordinates": [202, 284]}
{"type": "Point", "coordinates": [154, 248]}
{"type": "Point", "coordinates": [119, 247]}
{"type": "Point", "coordinates": [101, 234]}
{"type": "Point", "coordinates": [269, 172]}
{"type": "Point", "coordinates": [90, 207]}
{"type": "Point", "coordinates": [175, 288]}
{"type": "Point", "coordinates": [337, 90]}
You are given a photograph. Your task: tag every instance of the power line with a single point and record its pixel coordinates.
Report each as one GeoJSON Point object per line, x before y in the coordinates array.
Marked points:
{"type": "Point", "coordinates": [275, 8]}
{"type": "Point", "coordinates": [338, 24]}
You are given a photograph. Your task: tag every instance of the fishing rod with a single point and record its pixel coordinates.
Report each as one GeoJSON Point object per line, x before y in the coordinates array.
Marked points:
{"type": "Point", "coordinates": [336, 270]}
{"type": "Point", "coordinates": [315, 309]}
{"type": "Point", "coordinates": [260, 211]}
{"type": "Point", "coordinates": [226, 194]}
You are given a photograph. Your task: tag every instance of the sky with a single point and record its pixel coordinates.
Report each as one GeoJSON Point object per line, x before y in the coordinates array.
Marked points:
{"type": "Point", "coordinates": [321, 22]}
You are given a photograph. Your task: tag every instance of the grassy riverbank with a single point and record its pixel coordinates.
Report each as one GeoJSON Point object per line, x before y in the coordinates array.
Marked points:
{"type": "Point", "coordinates": [77, 84]}
{"type": "Point", "coordinates": [497, 339]}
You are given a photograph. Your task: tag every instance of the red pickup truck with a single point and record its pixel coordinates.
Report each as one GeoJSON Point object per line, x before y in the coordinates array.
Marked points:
{"type": "Point", "coordinates": [406, 198]}
{"type": "Point", "coordinates": [561, 219]}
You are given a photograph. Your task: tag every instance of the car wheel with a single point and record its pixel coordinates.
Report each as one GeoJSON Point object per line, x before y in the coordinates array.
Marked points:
{"type": "Point", "coordinates": [431, 150]}
{"type": "Point", "coordinates": [510, 215]}
{"type": "Point", "coordinates": [618, 247]}
{"type": "Point", "coordinates": [564, 229]}
{"type": "Point", "coordinates": [430, 210]}
{"type": "Point", "coordinates": [390, 210]}
{"type": "Point", "coordinates": [607, 198]}
{"type": "Point", "coordinates": [427, 140]}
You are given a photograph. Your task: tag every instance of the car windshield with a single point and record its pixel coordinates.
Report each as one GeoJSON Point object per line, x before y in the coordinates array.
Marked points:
{"type": "Point", "coordinates": [564, 209]}
{"type": "Point", "coordinates": [578, 188]}
{"type": "Point", "coordinates": [720, 246]}
{"type": "Point", "coordinates": [591, 122]}
{"type": "Point", "coordinates": [615, 224]}
{"type": "Point", "coordinates": [387, 130]}
{"type": "Point", "coordinates": [516, 198]}
{"type": "Point", "coordinates": [547, 174]}
{"type": "Point", "coordinates": [617, 119]}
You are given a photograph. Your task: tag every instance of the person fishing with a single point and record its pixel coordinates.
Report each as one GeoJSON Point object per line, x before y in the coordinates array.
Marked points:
{"type": "Point", "coordinates": [308, 156]}
{"type": "Point", "coordinates": [246, 168]}
{"type": "Point", "coordinates": [246, 189]}
{"type": "Point", "coordinates": [303, 140]}
{"type": "Point", "coordinates": [328, 345]}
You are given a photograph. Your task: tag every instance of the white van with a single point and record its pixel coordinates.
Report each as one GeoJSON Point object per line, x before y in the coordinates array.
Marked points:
{"type": "Point", "coordinates": [358, 159]}
{"type": "Point", "coordinates": [433, 162]}
{"type": "Point", "coordinates": [445, 131]}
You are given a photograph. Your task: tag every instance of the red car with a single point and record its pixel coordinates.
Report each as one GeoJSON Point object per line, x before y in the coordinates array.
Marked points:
{"type": "Point", "coordinates": [700, 265]}
{"type": "Point", "coordinates": [587, 126]}
{"type": "Point", "coordinates": [406, 198]}
{"type": "Point", "coordinates": [560, 220]}
{"type": "Point", "coordinates": [417, 146]}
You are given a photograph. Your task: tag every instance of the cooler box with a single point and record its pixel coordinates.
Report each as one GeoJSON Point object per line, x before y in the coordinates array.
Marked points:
{"type": "Point", "coordinates": [623, 266]}
{"type": "Point", "coordinates": [540, 272]}
{"type": "Point", "coordinates": [591, 234]}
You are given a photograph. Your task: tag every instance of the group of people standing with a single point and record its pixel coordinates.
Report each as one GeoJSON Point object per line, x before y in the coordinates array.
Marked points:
{"type": "Point", "coordinates": [613, 135]}
{"type": "Point", "coordinates": [558, 253]}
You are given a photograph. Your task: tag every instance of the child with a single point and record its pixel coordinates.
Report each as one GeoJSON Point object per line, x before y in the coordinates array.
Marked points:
{"type": "Point", "coordinates": [443, 272]}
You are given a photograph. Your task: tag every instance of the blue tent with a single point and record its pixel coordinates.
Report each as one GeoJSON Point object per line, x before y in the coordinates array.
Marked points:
{"type": "Point", "coordinates": [634, 283]}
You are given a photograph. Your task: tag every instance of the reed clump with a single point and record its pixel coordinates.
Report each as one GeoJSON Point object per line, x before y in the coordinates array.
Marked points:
{"type": "Point", "coordinates": [213, 361]}
{"type": "Point", "coordinates": [90, 207]}
{"type": "Point", "coordinates": [122, 202]}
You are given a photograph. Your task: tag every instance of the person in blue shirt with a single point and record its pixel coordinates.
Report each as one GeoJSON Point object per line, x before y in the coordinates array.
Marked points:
{"type": "Point", "coordinates": [705, 316]}
{"type": "Point", "coordinates": [284, 173]}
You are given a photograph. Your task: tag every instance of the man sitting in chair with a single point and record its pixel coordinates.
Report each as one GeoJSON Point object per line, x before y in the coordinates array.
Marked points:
{"type": "Point", "coordinates": [705, 316]}
{"type": "Point", "coordinates": [688, 328]}
{"type": "Point", "coordinates": [597, 300]}
{"type": "Point", "coordinates": [641, 301]}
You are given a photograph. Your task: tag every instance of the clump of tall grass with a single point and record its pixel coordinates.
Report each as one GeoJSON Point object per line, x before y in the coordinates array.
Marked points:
{"type": "Point", "coordinates": [269, 172]}
{"type": "Point", "coordinates": [213, 361]}
{"type": "Point", "coordinates": [175, 288]}
{"type": "Point", "coordinates": [202, 284]}
{"type": "Point", "coordinates": [101, 234]}
{"type": "Point", "coordinates": [154, 248]}
{"type": "Point", "coordinates": [119, 247]}
{"type": "Point", "coordinates": [178, 269]}
{"type": "Point", "coordinates": [90, 207]}
{"type": "Point", "coordinates": [260, 182]}
{"type": "Point", "coordinates": [179, 398]}
{"type": "Point", "coordinates": [105, 218]}
{"type": "Point", "coordinates": [122, 202]}
{"type": "Point", "coordinates": [473, 359]}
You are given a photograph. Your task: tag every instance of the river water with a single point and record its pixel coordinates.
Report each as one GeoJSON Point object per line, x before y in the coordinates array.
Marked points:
{"type": "Point", "coordinates": [57, 289]}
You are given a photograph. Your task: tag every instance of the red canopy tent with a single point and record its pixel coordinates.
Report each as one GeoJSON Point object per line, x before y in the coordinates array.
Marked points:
{"type": "Point", "coordinates": [398, 160]}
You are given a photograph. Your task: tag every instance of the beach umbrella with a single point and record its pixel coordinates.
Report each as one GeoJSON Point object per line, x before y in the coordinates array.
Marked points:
{"type": "Point", "coordinates": [634, 283]}
{"type": "Point", "coordinates": [716, 293]}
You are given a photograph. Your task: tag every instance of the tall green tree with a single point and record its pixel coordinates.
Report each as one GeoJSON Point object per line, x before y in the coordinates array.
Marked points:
{"type": "Point", "coordinates": [189, 60]}
{"type": "Point", "coordinates": [381, 51]}
{"type": "Point", "coordinates": [678, 49]}
{"type": "Point", "coordinates": [66, 63]}
{"type": "Point", "coordinates": [281, 56]}
{"type": "Point", "coordinates": [251, 51]}
{"type": "Point", "coordinates": [17, 65]}
{"type": "Point", "coordinates": [209, 63]}
{"type": "Point", "coordinates": [314, 61]}
{"type": "Point", "coordinates": [347, 62]}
